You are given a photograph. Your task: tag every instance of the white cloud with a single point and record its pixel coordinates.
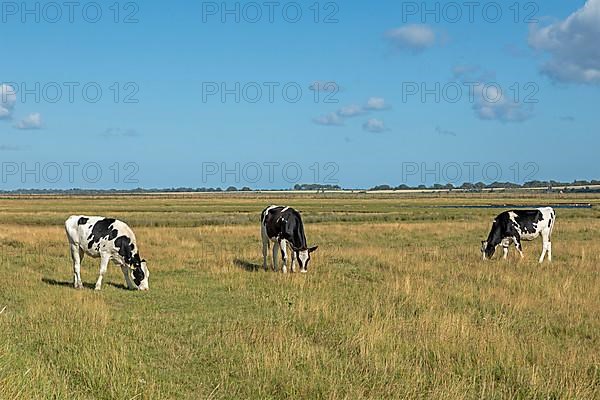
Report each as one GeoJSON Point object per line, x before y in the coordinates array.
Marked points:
{"type": "Point", "coordinates": [337, 118]}
{"type": "Point", "coordinates": [491, 103]}
{"type": "Point", "coordinates": [331, 119]}
{"type": "Point", "coordinates": [374, 125]}
{"type": "Point", "coordinates": [572, 44]}
{"type": "Point", "coordinates": [118, 132]}
{"type": "Point", "coordinates": [351, 111]}
{"type": "Point", "coordinates": [414, 37]}
{"type": "Point", "coordinates": [32, 121]}
{"type": "Point", "coordinates": [376, 103]}
{"type": "Point", "coordinates": [8, 99]}
{"type": "Point", "coordinates": [373, 104]}
{"type": "Point", "coordinates": [472, 73]}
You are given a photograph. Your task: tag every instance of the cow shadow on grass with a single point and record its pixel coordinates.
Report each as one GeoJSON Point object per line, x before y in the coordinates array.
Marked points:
{"type": "Point", "coordinates": [86, 285]}
{"type": "Point", "coordinates": [246, 265]}
{"type": "Point", "coordinates": [116, 285]}
{"type": "Point", "coordinates": [68, 284]}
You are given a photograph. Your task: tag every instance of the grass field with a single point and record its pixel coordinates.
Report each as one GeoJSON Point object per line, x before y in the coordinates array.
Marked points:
{"type": "Point", "coordinates": [397, 303]}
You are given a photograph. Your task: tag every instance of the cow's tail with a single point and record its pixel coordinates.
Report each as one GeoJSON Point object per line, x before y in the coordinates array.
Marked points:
{"type": "Point", "coordinates": [71, 228]}
{"type": "Point", "coordinates": [552, 220]}
{"type": "Point", "coordinates": [263, 215]}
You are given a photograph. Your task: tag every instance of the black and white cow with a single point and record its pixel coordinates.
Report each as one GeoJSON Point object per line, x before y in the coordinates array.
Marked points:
{"type": "Point", "coordinates": [283, 226]}
{"type": "Point", "coordinates": [517, 225]}
{"type": "Point", "coordinates": [107, 239]}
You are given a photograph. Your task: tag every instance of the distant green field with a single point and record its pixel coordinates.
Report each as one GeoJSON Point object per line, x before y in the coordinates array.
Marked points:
{"type": "Point", "coordinates": [397, 303]}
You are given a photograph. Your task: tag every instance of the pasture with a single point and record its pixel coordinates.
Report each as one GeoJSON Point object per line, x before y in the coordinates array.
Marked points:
{"type": "Point", "coordinates": [397, 303]}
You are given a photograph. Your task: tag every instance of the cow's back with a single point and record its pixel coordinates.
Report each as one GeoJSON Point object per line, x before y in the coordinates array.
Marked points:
{"type": "Point", "coordinates": [283, 223]}
{"type": "Point", "coordinates": [76, 227]}
{"type": "Point", "coordinates": [95, 234]}
{"type": "Point", "coordinates": [531, 223]}
{"type": "Point", "coordinates": [269, 218]}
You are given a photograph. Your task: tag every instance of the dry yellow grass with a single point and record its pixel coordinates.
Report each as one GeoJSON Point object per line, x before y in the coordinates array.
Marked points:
{"type": "Point", "coordinates": [397, 304]}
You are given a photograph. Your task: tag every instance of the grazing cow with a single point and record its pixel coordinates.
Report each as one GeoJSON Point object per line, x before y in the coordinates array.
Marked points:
{"type": "Point", "coordinates": [107, 239]}
{"type": "Point", "coordinates": [283, 226]}
{"type": "Point", "coordinates": [516, 225]}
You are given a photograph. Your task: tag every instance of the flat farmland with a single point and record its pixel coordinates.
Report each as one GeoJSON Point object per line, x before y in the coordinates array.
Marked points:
{"type": "Point", "coordinates": [397, 302]}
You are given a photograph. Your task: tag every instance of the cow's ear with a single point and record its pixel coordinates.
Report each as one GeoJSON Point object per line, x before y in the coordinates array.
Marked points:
{"type": "Point", "coordinates": [143, 260]}
{"type": "Point", "coordinates": [314, 248]}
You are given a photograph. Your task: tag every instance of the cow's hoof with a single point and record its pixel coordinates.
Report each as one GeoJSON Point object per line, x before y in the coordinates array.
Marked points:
{"type": "Point", "coordinates": [78, 285]}
{"type": "Point", "coordinates": [97, 288]}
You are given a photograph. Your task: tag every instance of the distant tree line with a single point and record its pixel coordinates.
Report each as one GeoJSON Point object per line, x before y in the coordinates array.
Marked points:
{"type": "Point", "coordinates": [581, 186]}
{"type": "Point", "coordinates": [551, 185]}
{"type": "Point", "coordinates": [76, 191]}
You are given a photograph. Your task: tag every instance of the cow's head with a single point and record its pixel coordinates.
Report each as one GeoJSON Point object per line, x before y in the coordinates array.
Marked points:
{"type": "Point", "coordinates": [303, 256]}
{"type": "Point", "coordinates": [139, 273]}
{"type": "Point", "coordinates": [487, 249]}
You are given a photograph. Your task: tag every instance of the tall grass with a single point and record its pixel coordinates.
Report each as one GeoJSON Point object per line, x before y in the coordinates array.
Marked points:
{"type": "Point", "coordinates": [397, 304]}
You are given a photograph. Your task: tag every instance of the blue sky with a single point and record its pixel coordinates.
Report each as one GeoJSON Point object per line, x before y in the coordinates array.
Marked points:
{"type": "Point", "coordinates": [164, 127]}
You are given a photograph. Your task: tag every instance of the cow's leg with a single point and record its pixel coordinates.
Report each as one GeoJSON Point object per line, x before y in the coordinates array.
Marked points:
{"type": "Point", "coordinates": [275, 251]}
{"type": "Point", "coordinates": [293, 265]}
{"type": "Point", "coordinates": [77, 256]}
{"type": "Point", "coordinates": [505, 243]}
{"type": "Point", "coordinates": [283, 247]}
{"type": "Point", "coordinates": [103, 266]}
{"type": "Point", "coordinates": [546, 248]}
{"type": "Point", "coordinates": [265, 243]}
{"type": "Point", "coordinates": [265, 252]}
{"type": "Point", "coordinates": [517, 242]}
{"type": "Point", "coordinates": [125, 270]}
